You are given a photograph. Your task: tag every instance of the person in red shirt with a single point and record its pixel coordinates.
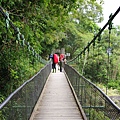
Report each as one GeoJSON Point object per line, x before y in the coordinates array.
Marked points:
{"type": "Point", "coordinates": [61, 59]}
{"type": "Point", "coordinates": [55, 61]}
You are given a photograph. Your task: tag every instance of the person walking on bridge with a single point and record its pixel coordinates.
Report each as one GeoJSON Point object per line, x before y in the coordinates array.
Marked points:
{"type": "Point", "coordinates": [55, 60]}
{"type": "Point", "coordinates": [61, 59]}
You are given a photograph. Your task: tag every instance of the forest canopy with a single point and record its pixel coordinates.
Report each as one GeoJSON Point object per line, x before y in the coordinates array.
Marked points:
{"type": "Point", "coordinates": [47, 25]}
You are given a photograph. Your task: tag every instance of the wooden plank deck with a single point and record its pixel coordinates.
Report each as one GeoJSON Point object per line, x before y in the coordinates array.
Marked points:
{"type": "Point", "coordinates": [57, 101]}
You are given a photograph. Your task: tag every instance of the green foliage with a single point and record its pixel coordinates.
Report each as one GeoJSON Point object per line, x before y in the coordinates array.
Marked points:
{"type": "Point", "coordinates": [1, 98]}
{"type": "Point", "coordinates": [46, 25]}
{"type": "Point", "coordinates": [98, 115]}
{"type": "Point", "coordinates": [114, 84]}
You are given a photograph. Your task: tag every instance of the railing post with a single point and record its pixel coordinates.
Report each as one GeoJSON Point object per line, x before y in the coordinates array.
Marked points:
{"type": "Point", "coordinates": [26, 103]}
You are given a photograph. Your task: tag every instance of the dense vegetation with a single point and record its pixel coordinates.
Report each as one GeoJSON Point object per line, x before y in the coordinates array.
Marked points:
{"type": "Point", "coordinates": [105, 67]}
{"type": "Point", "coordinates": [49, 25]}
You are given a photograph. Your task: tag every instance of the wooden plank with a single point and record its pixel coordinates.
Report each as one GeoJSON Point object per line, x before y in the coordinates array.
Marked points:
{"type": "Point", "coordinates": [57, 101]}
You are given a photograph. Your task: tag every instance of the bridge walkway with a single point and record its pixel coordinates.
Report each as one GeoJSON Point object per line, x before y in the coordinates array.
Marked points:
{"type": "Point", "coordinates": [57, 101]}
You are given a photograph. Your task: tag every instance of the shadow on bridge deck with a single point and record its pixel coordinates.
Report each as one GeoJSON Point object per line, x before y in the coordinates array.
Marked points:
{"type": "Point", "coordinates": [57, 101]}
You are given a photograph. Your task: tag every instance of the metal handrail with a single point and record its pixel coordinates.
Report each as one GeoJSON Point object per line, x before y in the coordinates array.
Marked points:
{"type": "Point", "coordinates": [95, 103]}
{"type": "Point", "coordinates": [20, 104]}
{"type": "Point", "coordinates": [96, 36]}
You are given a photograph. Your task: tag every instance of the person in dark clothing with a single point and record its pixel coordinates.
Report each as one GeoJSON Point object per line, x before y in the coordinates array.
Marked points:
{"type": "Point", "coordinates": [54, 67]}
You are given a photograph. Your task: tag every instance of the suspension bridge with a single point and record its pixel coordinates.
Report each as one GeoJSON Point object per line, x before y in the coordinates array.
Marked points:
{"type": "Point", "coordinates": [57, 101]}
{"type": "Point", "coordinates": [65, 95]}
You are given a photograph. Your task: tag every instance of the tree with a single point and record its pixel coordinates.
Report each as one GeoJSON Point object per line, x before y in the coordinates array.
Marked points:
{"type": "Point", "coordinates": [81, 25]}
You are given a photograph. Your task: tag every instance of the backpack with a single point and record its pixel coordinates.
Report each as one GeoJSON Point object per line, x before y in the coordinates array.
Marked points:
{"type": "Point", "coordinates": [55, 58]}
